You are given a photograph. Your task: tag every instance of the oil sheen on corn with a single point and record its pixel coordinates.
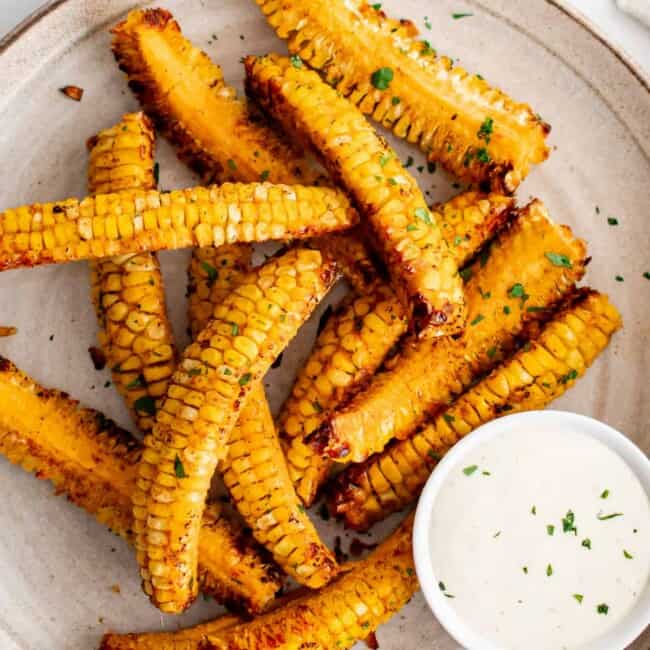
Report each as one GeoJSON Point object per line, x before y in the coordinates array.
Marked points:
{"type": "Point", "coordinates": [541, 539]}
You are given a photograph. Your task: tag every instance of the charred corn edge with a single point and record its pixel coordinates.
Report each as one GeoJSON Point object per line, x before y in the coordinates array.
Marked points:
{"type": "Point", "coordinates": [128, 292]}
{"type": "Point", "coordinates": [536, 375]}
{"type": "Point", "coordinates": [94, 463]}
{"type": "Point", "coordinates": [402, 227]}
{"type": "Point", "coordinates": [467, 222]}
{"type": "Point", "coordinates": [329, 35]}
{"type": "Point", "coordinates": [212, 273]}
{"type": "Point", "coordinates": [353, 432]}
{"type": "Point", "coordinates": [347, 610]}
{"type": "Point", "coordinates": [248, 331]}
{"type": "Point", "coordinates": [218, 136]}
{"type": "Point", "coordinates": [256, 475]}
{"type": "Point", "coordinates": [131, 222]}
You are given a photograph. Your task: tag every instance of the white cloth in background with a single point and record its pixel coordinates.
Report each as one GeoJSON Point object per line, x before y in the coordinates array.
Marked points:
{"type": "Point", "coordinates": [638, 8]}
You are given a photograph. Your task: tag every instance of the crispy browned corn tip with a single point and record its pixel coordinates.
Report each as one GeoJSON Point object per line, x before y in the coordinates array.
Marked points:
{"type": "Point", "coordinates": [128, 292]}
{"type": "Point", "coordinates": [403, 229]}
{"type": "Point", "coordinates": [9, 330]}
{"type": "Point", "coordinates": [94, 463]}
{"type": "Point", "coordinates": [475, 131]}
{"type": "Point", "coordinates": [346, 611]}
{"type": "Point", "coordinates": [183, 91]}
{"type": "Point", "coordinates": [359, 335]}
{"type": "Point", "coordinates": [528, 269]}
{"type": "Point", "coordinates": [135, 221]}
{"type": "Point", "coordinates": [536, 375]}
{"type": "Point", "coordinates": [212, 274]}
{"type": "Point", "coordinates": [248, 331]}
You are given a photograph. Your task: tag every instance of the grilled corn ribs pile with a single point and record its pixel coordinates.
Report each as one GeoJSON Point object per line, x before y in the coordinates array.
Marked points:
{"type": "Point", "coordinates": [458, 313]}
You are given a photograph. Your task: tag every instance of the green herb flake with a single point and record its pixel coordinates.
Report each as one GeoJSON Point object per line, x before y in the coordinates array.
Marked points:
{"type": "Point", "coordinates": [296, 61]}
{"type": "Point", "coordinates": [492, 352]}
{"type": "Point", "coordinates": [486, 473]}
{"type": "Point", "coordinates": [409, 162]}
{"type": "Point", "coordinates": [317, 407]}
{"type": "Point", "coordinates": [392, 181]}
{"type": "Point", "coordinates": [395, 101]}
{"type": "Point", "coordinates": [470, 469]}
{"type": "Point", "coordinates": [145, 404]}
{"type": "Point", "coordinates": [534, 310]}
{"type": "Point", "coordinates": [619, 278]}
{"type": "Point", "coordinates": [427, 22]}
{"type": "Point", "coordinates": [483, 156]}
{"type": "Point", "coordinates": [604, 494]}
{"type": "Point", "coordinates": [477, 320]}
{"type": "Point", "coordinates": [550, 529]}
{"type": "Point", "coordinates": [232, 164]}
{"type": "Point", "coordinates": [568, 523]}
{"type": "Point", "coordinates": [376, 6]}
{"type": "Point", "coordinates": [448, 418]}
{"type": "Point", "coordinates": [264, 176]}
{"type": "Point", "coordinates": [517, 291]}
{"type": "Point", "coordinates": [506, 310]}
{"type": "Point", "coordinates": [627, 555]}
{"type": "Point", "coordinates": [533, 510]}
{"type": "Point", "coordinates": [210, 271]}
{"type": "Point", "coordinates": [433, 455]}
{"type": "Point", "coordinates": [423, 215]}
{"type": "Point", "coordinates": [465, 273]}
{"type": "Point", "coordinates": [558, 259]}
{"type": "Point", "coordinates": [227, 371]}
{"type": "Point", "coordinates": [570, 376]}
{"type": "Point", "coordinates": [234, 329]}
{"type": "Point", "coordinates": [193, 372]}
{"type": "Point", "coordinates": [458, 16]}
{"type": "Point", "coordinates": [449, 595]}
{"type": "Point", "coordinates": [244, 379]}
{"type": "Point", "coordinates": [497, 533]}
{"type": "Point", "coordinates": [411, 227]}
{"type": "Point", "coordinates": [179, 469]}
{"type": "Point", "coordinates": [549, 570]}
{"type": "Point", "coordinates": [427, 50]}
{"type": "Point", "coordinates": [382, 78]}
{"type": "Point", "coordinates": [458, 240]}
{"type": "Point", "coordinates": [601, 517]}
{"type": "Point", "coordinates": [586, 543]}
{"type": "Point", "coordinates": [383, 161]}
{"type": "Point", "coordinates": [441, 586]}
{"type": "Point", "coordinates": [602, 608]}
{"type": "Point", "coordinates": [301, 508]}
{"type": "Point", "coordinates": [646, 275]}
{"type": "Point", "coordinates": [612, 221]}
{"type": "Point", "coordinates": [578, 597]}
{"type": "Point", "coordinates": [136, 383]}
{"type": "Point", "coordinates": [525, 569]}
{"type": "Point", "coordinates": [486, 130]}
{"type": "Point", "coordinates": [156, 173]}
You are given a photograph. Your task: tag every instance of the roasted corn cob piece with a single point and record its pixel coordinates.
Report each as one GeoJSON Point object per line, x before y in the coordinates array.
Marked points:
{"type": "Point", "coordinates": [346, 611]}
{"type": "Point", "coordinates": [248, 331]}
{"type": "Point", "coordinates": [359, 335]}
{"type": "Point", "coordinates": [400, 224]}
{"type": "Point", "coordinates": [134, 221]}
{"type": "Point", "coordinates": [183, 91]}
{"type": "Point", "coordinates": [254, 468]}
{"type": "Point", "coordinates": [475, 131]}
{"type": "Point", "coordinates": [529, 268]}
{"type": "Point", "coordinates": [128, 292]}
{"type": "Point", "coordinates": [536, 375]}
{"type": "Point", "coordinates": [94, 463]}
{"type": "Point", "coordinates": [212, 274]}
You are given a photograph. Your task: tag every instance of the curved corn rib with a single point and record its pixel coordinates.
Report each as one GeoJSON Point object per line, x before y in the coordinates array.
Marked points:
{"type": "Point", "coordinates": [248, 331]}
{"type": "Point", "coordinates": [535, 376]}
{"type": "Point", "coordinates": [254, 469]}
{"type": "Point", "coordinates": [133, 221]}
{"type": "Point", "coordinates": [476, 132]}
{"type": "Point", "coordinates": [217, 134]}
{"type": "Point", "coordinates": [359, 335]}
{"type": "Point", "coordinates": [400, 222]}
{"type": "Point", "coordinates": [94, 463]}
{"type": "Point", "coordinates": [342, 613]}
{"type": "Point", "coordinates": [529, 268]}
{"type": "Point", "coordinates": [128, 292]}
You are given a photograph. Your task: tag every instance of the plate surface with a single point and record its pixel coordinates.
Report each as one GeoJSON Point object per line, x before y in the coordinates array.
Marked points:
{"type": "Point", "coordinates": [57, 564]}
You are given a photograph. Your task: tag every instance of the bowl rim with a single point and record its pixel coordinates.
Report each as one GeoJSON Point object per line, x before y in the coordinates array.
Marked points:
{"type": "Point", "coordinates": [628, 629]}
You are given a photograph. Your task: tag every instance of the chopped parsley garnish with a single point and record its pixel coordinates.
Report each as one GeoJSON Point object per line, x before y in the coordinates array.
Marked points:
{"type": "Point", "coordinates": [497, 533]}
{"type": "Point", "coordinates": [482, 155]}
{"type": "Point", "coordinates": [470, 469]}
{"type": "Point", "coordinates": [234, 329]}
{"type": "Point", "coordinates": [232, 164]}
{"type": "Point", "coordinates": [458, 240]}
{"type": "Point", "coordinates": [376, 6]}
{"type": "Point", "coordinates": [156, 173]}
{"type": "Point", "coordinates": [570, 376]}
{"type": "Point", "coordinates": [586, 543]}
{"type": "Point", "coordinates": [517, 291]}
{"type": "Point", "coordinates": [227, 371]}
{"type": "Point", "coordinates": [597, 210]}
{"type": "Point", "coordinates": [486, 130]}
{"type": "Point", "coordinates": [568, 523]}
{"type": "Point", "coordinates": [448, 418]}
{"type": "Point", "coordinates": [604, 494]}
{"type": "Point", "coordinates": [441, 586]}
{"type": "Point", "coordinates": [427, 49]}
{"type": "Point", "coordinates": [145, 404]}
{"type": "Point", "coordinates": [578, 597]}
{"type": "Point", "coordinates": [244, 379]}
{"type": "Point", "coordinates": [627, 555]}
{"type": "Point", "coordinates": [506, 310]}
{"type": "Point", "coordinates": [550, 529]}
{"type": "Point", "coordinates": [558, 259]}
{"type": "Point", "coordinates": [466, 273]}
{"type": "Point", "coordinates": [301, 508]}
{"type": "Point", "coordinates": [619, 278]}
{"type": "Point", "coordinates": [395, 101]}
{"type": "Point", "coordinates": [449, 595]}
{"type": "Point", "coordinates": [193, 372]}
{"type": "Point", "coordinates": [210, 271]}
{"type": "Point", "coordinates": [477, 320]}
{"type": "Point", "coordinates": [296, 61]}
{"type": "Point", "coordinates": [612, 221]}
{"type": "Point", "coordinates": [646, 275]}
{"type": "Point", "coordinates": [549, 570]}
{"type": "Point", "coordinates": [485, 294]}
{"type": "Point", "coordinates": [433, 455]}
{"type": "Point", "coordinates": [533, 310]}
{"type": "Point", "coordinates": [525, 569]}
{"type": "Point", "coordinates": [605, 517]}
{"type": "Point", "coordinates": [486, 473]}
{"type": "Point", "coordinates": [603, 608]}
{"type": "Point", "coordinates": [458, 16]}
{"type": "Point", "coordinates": [423, 215]}
{"type": "Point", "coordinates": [317, 407]}
{"type": "Point", "coordinates": [409, 162]}
{"type": "Point", "coordinates": [533, 510]}
{"type": "Point", "coordinates": [179, 469]}
{"type": "Point", "coordinates": [138, 381]}
{"type": "Point", "coordinates": [411, 227]}
{"type": "Point", "coordinates": [381, 78]}
{"type": "Point", "coordinates": [383, 161]}
{"type": "Point", "coordinates": [427, 22]}
{"type": "Point", "coordinates": [491, 352]}
{"type": "Point", "coordinates": [264, 176]}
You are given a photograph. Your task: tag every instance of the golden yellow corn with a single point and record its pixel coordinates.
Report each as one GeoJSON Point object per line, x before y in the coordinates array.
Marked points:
{"type": "Point", "coordinates": [401, 225]}
{"type": "Point", "coordinates": [475, 131]}
{"type": "Point", "coordinates": [248, 331]}
{"type": "Point", "coordinates": [539, 373]}
{"type": "Point", "coordinates": [7, 330]}
{"type": "Point", "coordinates": [134, 221]}
{"type": "Point", "coordinates": [529, 268]}
{"type": "Point", "coordinates": [357, 338]}
{"type": "Point", "coordinates": [128, 292]}
{"type": "Point", "coordinates": [183, 91]}
{"type": "Point", "coordinates": [342, 613]}
{"type": "Point", "coordinates": [94, 463]}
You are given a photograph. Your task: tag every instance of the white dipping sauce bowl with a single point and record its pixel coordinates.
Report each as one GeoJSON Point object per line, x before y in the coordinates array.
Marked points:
{"type": "Point", "coordinates": [617, 638]}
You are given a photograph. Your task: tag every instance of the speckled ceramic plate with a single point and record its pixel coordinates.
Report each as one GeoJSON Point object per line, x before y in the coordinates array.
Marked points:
{"type": "Point", "coordinates": [57, 565]}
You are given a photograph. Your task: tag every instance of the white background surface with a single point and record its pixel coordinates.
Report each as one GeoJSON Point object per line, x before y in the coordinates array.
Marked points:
{"type": "Point", "coordinates": [620, 29]}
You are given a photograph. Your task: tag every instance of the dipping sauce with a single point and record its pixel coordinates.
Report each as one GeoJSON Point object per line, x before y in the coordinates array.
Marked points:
{"type": "Point", "coordinates": [541, 539]}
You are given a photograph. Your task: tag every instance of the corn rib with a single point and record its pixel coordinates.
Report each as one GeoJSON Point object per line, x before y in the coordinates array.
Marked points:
{"type": "Point", "coordinates": [135, 221]}
{"type": "Point", "coordinates": [536, 375]}
{"type": "Point", "coordinates": [183, 91]}
{"type": "Point", "coordinates": [403, 229]}
{"type": "Point", "coordinates": [359, 335]}
{"type": "Point", "coordinates": [342, 613]}
{"type": "Point", "coordinates": [127, 291]}
{"type": "Point", "coordinates": [94, 463]}
{"type": "Point", "coordinates": [528, 269]}
{"type": "Point", "coordinates": [248, 331]}
{"type": "Point", "coordinates": [475, 131]}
